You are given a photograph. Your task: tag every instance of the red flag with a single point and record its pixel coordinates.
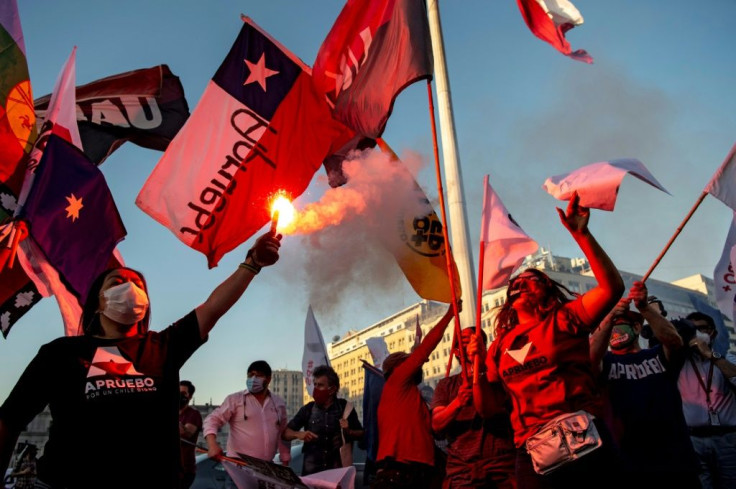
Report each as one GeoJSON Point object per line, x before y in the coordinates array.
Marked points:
{"type": "Point", "coordinates": [260, 127]}
{"type": "Point", "coordinates": [375, 49]}
{"type": "Point", "coordinates": [549, 20]}
{"type": "Point", "coordinates": [506, 244]}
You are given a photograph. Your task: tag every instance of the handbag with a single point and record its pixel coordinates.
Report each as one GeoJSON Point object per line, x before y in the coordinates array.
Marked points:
{"type": "Point", "coordinates": [563, 440]}
{"type": "Point", "coordinates": [346, 450]}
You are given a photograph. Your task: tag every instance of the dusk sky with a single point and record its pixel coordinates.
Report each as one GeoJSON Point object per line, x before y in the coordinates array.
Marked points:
{"type": "Point", "coordinates": [661, 90]}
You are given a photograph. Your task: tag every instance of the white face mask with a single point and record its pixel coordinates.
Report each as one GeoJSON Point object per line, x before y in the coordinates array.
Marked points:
{"type": "Point", "coordinates": [125, 303]}
{"type": "Point", "coordinates": [703, 336]}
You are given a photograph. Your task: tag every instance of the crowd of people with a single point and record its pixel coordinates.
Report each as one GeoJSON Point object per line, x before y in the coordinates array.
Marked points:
{"type": "Point", "coordinates": [565, 396]}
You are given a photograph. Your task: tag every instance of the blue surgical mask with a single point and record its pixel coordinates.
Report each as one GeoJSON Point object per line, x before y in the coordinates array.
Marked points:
{"type": "Point", "coordinates": [254, 384]}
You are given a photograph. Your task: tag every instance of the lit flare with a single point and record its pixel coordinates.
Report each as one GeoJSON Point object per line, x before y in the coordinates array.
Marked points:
{"type": "Point", "coordinates": [282, 212]}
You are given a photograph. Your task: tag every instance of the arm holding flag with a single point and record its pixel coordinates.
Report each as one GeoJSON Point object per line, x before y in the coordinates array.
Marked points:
{"type": "Point", "coordinates": [601, 335]}
{"type": "Point", "coordinates": [598, 301]}
{"type": "Point", "coordinates": [265, 252]}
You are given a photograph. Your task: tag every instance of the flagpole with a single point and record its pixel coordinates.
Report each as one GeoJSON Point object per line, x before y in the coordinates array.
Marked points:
{"type": "Point", "coordinates": [674, 236]}
{"type": "Point", "coordinates": [448, 255]}
{"type": "Point", "coordinates": [455, 194]}
{"type": "Point", "coordinates": [481, 260]}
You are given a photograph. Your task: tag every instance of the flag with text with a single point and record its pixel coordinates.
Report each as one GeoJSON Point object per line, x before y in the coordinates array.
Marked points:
{"type": "Point", "coordinates": [146, 107]}
{"type": "Point", "coordinates": [724, 278]}
{"type": "Point", "coordinates": [260, 127]}
{"type": "Point", "coordinates": [375, 49]}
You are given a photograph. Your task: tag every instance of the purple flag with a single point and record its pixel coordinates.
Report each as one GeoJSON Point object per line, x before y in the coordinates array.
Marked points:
{"type": "Point", "coordinates": [71, 215]}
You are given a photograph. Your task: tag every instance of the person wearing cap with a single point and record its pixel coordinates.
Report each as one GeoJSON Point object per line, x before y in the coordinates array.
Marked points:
{"type": "Point", "coordinates": [406, 447]}
{"type": "Point", "coordinates": [480, 452]}
{"type": "Point", "coordinates": [707, 383]}
{"type": "Point", "coordinates": [256, 418]}
{"type": "Point", "coordinates": [646, 409]}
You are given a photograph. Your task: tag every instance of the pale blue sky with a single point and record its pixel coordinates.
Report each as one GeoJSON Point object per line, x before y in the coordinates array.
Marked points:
{"type": "Point", "coordinates": [661, 90]}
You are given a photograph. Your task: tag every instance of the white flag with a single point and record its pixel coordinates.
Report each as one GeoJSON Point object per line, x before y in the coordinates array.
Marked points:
{"type": "Point", "coordinates": [722, 185]}
{"type": "Point", "coordinates": [506, 244]}
{"type": "Point", "coordinates": [723, 275]}
{"type": "Point", "coordinates": [597, 184]}
{"type": "Point", "coordinates": [315, 351]}
{"type": "Point", "coordinates": [378, 349]}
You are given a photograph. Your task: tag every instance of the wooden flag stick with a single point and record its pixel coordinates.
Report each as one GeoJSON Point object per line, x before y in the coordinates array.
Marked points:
{"type": "Point", "coordinates": [479, 308]}
{"type": "Point", "coordinates": [674, 236]}
{"type": "Point", "coordinates": [446, 236]}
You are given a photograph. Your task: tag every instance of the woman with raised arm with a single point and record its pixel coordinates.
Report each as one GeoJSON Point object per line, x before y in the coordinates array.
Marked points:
{"type": "Point", "coordinates": [114, 392]}
{"type": "Point", "coordinates": [540, 357]}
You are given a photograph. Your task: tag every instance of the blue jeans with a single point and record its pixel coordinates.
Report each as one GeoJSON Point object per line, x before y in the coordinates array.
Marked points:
{"type": "Point", "coordinates": [717, 457]}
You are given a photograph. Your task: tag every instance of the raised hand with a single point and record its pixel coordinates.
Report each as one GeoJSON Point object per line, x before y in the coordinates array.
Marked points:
{"type": "Point", "coordinates": [576, 218]}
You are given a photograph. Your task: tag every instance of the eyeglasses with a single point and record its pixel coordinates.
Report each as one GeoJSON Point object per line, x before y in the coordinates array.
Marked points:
{"type": "Point", "coordinates": [519, 278]}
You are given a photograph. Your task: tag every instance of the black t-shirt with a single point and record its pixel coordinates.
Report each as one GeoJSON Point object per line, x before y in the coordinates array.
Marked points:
{"type": "Point", "coordinates": [647, 411]}
{"type": "Point", "coordinates": [114, 407]}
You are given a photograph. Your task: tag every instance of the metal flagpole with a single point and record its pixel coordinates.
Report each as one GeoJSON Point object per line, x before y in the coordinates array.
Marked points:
{"type": "Point", "coordinates": [453, 176]}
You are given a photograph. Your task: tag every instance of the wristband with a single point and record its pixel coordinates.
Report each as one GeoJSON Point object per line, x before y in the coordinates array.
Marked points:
{"type": "Point", "coordinates": [254, 269]}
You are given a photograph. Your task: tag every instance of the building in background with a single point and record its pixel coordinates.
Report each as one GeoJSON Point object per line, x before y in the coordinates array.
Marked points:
{"type": "Point", "coordinates": [289, 384]}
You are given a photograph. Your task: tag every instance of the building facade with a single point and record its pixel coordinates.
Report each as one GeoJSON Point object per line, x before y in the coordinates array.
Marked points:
{"type": "Point", "coordinates": [289, 384]}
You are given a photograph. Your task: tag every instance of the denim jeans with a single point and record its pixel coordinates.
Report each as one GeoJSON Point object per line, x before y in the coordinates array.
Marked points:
{"type": "Point", "coordinates": [717, 457]}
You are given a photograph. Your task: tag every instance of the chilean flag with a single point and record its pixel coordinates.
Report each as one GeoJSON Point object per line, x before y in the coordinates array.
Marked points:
{"type": "Point", "coordinates": [549, 20]}
{"type": "Point", "coordinates": [260, 127]}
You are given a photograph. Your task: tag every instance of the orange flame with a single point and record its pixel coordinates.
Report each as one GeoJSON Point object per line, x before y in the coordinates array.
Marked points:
{"type": "Point", "coordinates": [282, 211]}
{"type": "Point", "coordinates": [335, 206]}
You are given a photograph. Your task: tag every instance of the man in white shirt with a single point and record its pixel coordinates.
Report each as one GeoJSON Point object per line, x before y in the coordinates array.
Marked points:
{"type": "Point", "coordinates": [256, 418]}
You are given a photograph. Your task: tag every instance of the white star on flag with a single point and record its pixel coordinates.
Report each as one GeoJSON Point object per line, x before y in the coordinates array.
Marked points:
{"type": "Point", "coordinates": [259, 72]}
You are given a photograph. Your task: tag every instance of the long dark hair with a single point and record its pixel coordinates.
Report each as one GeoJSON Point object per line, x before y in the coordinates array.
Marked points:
{"type": "Point", "coordinates": [556, 294]}
{"type": "Point", "coordinates": [90, 320]}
